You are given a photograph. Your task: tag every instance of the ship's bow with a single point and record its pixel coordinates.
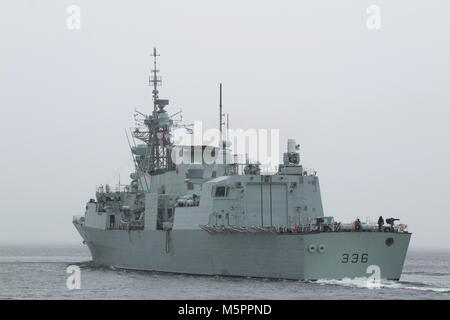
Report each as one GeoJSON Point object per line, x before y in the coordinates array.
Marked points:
{"type": "Point", "coordinates": [339, 255]}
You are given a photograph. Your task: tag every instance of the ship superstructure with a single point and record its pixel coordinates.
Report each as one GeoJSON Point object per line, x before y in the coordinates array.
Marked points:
{"type": "Point", "coordinates": [184, 215]}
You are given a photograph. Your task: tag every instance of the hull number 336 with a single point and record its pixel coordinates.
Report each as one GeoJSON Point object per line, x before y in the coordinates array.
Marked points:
{"type": "Point", "coordinates": [355, 258]}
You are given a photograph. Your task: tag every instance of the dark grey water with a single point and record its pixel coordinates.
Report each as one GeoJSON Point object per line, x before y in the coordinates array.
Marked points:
{"type": "Point", "coordinates": [40, 273]}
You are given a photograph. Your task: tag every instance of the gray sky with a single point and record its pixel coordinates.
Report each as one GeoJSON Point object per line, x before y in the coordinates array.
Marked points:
{"type": "Point", "coordinates": [370, 108]}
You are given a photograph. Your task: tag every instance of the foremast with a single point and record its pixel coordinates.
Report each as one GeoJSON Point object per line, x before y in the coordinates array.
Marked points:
{"type": "Point", "coordinates": [155, 132]}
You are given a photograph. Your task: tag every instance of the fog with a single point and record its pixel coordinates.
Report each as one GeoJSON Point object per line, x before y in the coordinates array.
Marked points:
{"type": "Point", "coordinates": [370, 108]}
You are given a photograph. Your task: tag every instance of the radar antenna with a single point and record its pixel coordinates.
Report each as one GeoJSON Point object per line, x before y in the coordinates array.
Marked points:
{"type": "Point", "coordinates": [154, 79]}
{"type": "Point", "coordinates": [221, 114]}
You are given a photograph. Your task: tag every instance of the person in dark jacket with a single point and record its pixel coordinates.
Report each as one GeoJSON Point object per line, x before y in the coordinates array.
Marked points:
{"type": "Point", "coordinates": [380, 223]}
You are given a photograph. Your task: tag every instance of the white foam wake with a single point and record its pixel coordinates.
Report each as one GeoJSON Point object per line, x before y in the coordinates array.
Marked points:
{"type": "Point", "coordinates": [363, 282]}
{"type": "Point", "coordinates": [41, 259]}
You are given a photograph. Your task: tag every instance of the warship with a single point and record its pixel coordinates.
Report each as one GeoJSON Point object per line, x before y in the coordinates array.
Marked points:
{"type": "Point", "coordinates": [225, 218]}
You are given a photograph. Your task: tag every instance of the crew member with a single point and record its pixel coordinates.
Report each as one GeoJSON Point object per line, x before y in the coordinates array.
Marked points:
{"type": "Point", "coordinates": [357, 225]}
{"type": "Point", "coordinates": [380, 223]}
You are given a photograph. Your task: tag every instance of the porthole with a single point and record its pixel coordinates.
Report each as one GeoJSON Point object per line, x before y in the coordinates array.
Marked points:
{"type": "Point", "coordinates": [312, 248]}
{"type": "Point", "coordinates": [321, 248]}
{"type": "Point", "coordinates": [389, 242]}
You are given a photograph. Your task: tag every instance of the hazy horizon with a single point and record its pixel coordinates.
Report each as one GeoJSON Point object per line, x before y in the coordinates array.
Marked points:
{"type": "Point", "coordinates": [370, 108]}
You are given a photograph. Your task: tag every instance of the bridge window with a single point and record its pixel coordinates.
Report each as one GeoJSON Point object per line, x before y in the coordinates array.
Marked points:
{"type": "Point", "coordinates": [221, 191]}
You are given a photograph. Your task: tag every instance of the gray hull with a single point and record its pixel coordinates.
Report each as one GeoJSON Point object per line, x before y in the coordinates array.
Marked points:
{"type": "Point", "coordinates": [328, 255]}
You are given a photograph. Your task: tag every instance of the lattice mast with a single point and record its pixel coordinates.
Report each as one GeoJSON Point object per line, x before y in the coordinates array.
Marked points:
{"type": "Point", "coordinates": [159, 127]}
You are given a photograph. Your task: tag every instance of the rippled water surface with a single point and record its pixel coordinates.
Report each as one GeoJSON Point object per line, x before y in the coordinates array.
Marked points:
{"type": "Point", "coordinates": [40, 273]}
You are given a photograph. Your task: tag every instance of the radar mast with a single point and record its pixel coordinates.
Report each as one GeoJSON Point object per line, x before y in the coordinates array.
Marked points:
{"type": "Point", "coordinates": [154, 79]}
{"type": "Point", "coordinates": [157, 134]}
